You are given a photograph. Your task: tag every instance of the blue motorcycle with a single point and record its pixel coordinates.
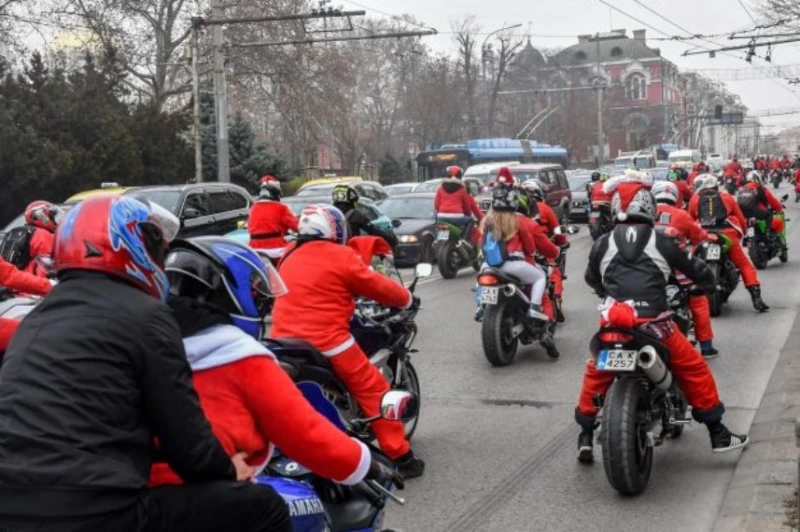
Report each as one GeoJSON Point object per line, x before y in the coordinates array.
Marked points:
{"type": "Point", "coordinates": [320, 505]}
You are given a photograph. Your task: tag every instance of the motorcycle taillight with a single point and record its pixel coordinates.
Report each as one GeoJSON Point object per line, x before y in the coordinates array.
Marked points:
{"type": "Point", "coordinates": [487, 280]}
{"type": "Point", "coordinates": [442, 226]}
{"type": "Point", "coordinates": [613, 337]}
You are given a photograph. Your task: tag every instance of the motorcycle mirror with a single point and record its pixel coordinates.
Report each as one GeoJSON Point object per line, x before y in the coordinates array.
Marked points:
{"type": "Point", "coordinates": [399, 405]}
{"type": "Point", "coordinates": [424, 269]}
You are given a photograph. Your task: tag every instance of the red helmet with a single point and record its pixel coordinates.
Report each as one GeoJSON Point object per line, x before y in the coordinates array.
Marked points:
{"type": "Point", "coordinates": [43, 214]}
{"type": "Point", "coordinates": [455, 172]}
{"type": "Point", "coordinates": [120, 236]}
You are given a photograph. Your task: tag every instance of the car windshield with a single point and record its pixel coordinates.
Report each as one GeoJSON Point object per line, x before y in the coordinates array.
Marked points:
{"type": "Point", "coordinates": [169, 199]}
{"type": "Point", "coordinates": [394, 190]}
{"type": "Point", "coordinates": [317, 190]}
{"type": "Point", "coordinates": [16, 222]}
{"type": "Point", "coordinates": [578, 183]}
{"type": "Point", "coordinates": [428, 186]}
{"type": "Point", "coordinates": [415, 208]}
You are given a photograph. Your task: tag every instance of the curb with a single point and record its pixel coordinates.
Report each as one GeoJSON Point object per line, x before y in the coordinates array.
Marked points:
{"type": "Point", "coordinates": [766, 476]}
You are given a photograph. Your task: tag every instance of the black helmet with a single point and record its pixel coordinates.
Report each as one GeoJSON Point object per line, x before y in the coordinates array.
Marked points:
{"type": "Point", "coordinates": [595, 176]}
{"type": "Point", "coordinates": [344, 194]}
{"type": "Point", "coordinates": [505, 199]}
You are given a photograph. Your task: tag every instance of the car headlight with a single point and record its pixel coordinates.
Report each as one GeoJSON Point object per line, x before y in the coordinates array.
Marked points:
{"type": "Point", "coordinates": [408, 239]}
{"type": "Point", "coordinates": [576, 203]}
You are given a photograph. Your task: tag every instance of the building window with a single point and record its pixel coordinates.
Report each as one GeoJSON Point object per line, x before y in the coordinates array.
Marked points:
{"type": "Point", "coordinates": [636, 87]}
{"type": "Point", "coordinates": [580, 56]}
{"type": "Point", "coordinates": [616, 52]}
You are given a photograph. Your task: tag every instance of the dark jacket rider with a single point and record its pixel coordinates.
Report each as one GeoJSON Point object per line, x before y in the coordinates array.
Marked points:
{"type": "Point", "coordinates": [345, 198]}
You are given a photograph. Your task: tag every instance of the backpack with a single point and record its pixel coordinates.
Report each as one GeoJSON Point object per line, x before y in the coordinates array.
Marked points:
{"type": "Point", "coordinates": [16, 246]}
{"type": "Point", "coordinates": [711, 210]}
{"type": "Point", "coordinates": [748, 200]}
{"type": "Point", "coordinates": [494, 252]}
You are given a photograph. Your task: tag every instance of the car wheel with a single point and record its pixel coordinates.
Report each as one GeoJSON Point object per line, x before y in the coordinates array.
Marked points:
{"type": "Point", "coordinates": [427, 254]}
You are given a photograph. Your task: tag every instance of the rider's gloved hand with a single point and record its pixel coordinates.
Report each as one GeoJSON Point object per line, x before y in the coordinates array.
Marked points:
{"type": "Point", "coordinates": [416, 303]}
{"type": "Point", "coordinates": [383, 475]}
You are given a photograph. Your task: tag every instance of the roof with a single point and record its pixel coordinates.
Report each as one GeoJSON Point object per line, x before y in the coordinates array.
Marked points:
{"type": "Point", "coordinates": [616, 46]}
{"type": "Point", "coordinates": [527, 167]}
{"type": "Point", "coordinates": [329, 180]}
{"type": "Point", "coordinates": [527, 60]}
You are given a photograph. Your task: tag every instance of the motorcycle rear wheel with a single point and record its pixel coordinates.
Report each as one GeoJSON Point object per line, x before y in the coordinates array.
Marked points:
{"type": "Point", "coordinates": [498, 345]}
{"type": "Point", "coordinates": [447, 260]}
{"type": "Point", "coordinates": [717, 298]}
{"type": "Point", "coordinates": [627, 453]}
{"type": "Point", "coordinates": [757, 256]}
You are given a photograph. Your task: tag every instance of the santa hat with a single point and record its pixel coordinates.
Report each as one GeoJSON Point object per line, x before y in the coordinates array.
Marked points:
{"type": "Point", "coordinates": [504, 176]}
{"type": "Point", "coordinates": [268, 179]}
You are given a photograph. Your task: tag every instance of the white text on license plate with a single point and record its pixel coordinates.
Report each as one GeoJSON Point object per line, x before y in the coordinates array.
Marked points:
{"type": "Point", "coordinates": [443, 234]}
{"type": "Point", "coordinates": [489, 295]}
{"type": "Point", "coordinates": [714, 252]}
{"type": "Point", "coordinates": [616, 360]}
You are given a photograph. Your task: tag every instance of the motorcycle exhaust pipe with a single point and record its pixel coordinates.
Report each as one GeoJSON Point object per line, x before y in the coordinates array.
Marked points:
{"type": "Point", "coordinates": [465, 249]}
{"type": "Point", "coordinates": [509, 290]}
{"type": "Point", "coordinates": [654, 368]}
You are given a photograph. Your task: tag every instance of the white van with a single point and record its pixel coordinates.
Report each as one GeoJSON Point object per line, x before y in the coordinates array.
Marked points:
{"type": "Point", "coordinates": [641, 160]}
{"type": "Point", "coordinates": [685, 157]}
{"type": "Point", "coordinates": [488, 171]}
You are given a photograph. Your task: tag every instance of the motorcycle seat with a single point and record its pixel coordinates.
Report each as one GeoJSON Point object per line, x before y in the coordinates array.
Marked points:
{"type": "Point", "coordinates": [297, 349]}
{"type": "Point", "coordinates": [506, 277]}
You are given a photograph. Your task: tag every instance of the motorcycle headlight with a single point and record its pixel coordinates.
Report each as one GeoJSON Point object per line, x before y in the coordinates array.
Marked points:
{"type": "Point", "coordinates": [408, 239]}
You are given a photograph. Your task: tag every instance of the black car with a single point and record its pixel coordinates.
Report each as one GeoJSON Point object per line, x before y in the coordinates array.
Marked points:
{"type": "Point", "coordinates": [203, 208]}
{"type": "Point", "coordinates": [580, 197]}
{"type": "Point", "coordinates": [416, 230]}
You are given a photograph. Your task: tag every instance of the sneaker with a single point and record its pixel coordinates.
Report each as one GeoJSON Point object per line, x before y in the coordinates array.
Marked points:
{"type": "Point", "coordinates": [585, 444]}
{"type": "Point", "coordinates": [548, 341]}
{"type": "Point", "coordinates": [709, 353]}
{"type": "Point", "coordinates": [723, 440]}
{"type": "Point", "coordinates": [410, 465]}
{"type": "Point", "coordinates": [535, 313]}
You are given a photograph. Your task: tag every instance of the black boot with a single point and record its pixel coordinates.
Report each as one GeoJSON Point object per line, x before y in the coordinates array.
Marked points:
{"type": "Point", "coordinates": [548, 341]}
{"type": "Point", "coordinates": [410, 465]}
{"type": "Point", "coordinates": [586, 437]}
{"type": "Point", "coordinates": [560, 318]}
{"type": "Point", "coordinates": [755, 295]}
{"type": "Point", "coordinates": [723, 440]}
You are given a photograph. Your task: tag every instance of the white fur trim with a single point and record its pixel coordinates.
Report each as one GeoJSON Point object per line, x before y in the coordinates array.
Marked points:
{"type": "Point", "coordinates": [220, 345]}
{"type": "Point", "coordinates": [341, 348]}
{"type": "Point", "coordinates": [363, 466]}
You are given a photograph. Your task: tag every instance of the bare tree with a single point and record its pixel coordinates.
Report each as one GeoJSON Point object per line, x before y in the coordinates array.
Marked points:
{"type": "Point", "coordinates": [508, 50]}
{"type": "Point", "coordinates": [466, 30]}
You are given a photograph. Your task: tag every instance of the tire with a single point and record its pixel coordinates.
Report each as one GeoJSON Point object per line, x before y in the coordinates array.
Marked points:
{"type": "Point", "coordinates": [784, 256]}
{"type": "Point", "coordinates": [627, 456]}
{"type": "Point", "coordinates": [427, 254]}
{"type": "Point", "coordinates": [756, 256]}
{"type": "Point", "coordinates": [499, 351]}
{"type": "Point", "coordinates": [448, 267]}
{"type": "Point", "coordinates": [411, 384]}
{"type": "Point", "coordinates": [717, 298]}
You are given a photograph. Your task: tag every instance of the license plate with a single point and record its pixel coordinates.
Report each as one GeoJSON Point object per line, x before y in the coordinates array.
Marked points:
{"type": "Point", "coordinates": [714, 252]}
{"type": "Point", "coordinates": [489, 295]}
{"type": "Point", "coordinates": [751, 232]}
{"type": "Point", "coordinates": [616, 360]}
{"type": "Point", "coordinates": [443, 234]}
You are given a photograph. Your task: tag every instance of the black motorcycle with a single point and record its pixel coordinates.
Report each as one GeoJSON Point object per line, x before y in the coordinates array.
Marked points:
{"type": "Point", "coordinates": [385, 335]}
{"type": "Point", "coordinates": [453, 249]}
{"type": "Point", "coordinates": [643, 407]}
{"type": "Point", "coordinates": [600, 221]}
{"type": "Point", "coordinates": [679, 292]}
{"type": "Point", "coordinates": [715, 254]}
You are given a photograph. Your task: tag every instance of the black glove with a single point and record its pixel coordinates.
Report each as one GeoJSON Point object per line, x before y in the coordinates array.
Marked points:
{"type": "Point", "coordinates": [566, 246]}
{"type": "Point", "coordinates": [416, 303]}
{"type": "Point", "coordinates": [381, 474]}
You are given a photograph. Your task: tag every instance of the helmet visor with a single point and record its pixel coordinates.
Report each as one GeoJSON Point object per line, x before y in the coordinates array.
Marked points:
{"type": "Point", "coordinates": [165, 220]}
{"type": "Point", "coordinates": [270, 285]}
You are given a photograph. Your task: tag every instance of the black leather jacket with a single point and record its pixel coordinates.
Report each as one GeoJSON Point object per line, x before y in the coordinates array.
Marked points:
{"type": "Point", "coordinates": [634, 262]}
{"type": "Point", "coordinates": [92, 375]}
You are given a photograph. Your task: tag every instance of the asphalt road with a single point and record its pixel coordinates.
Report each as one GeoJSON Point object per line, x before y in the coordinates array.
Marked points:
{"type": "Point", "coordinates": [500, 443]}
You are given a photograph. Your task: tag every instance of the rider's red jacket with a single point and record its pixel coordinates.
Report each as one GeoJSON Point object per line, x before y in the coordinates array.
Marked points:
{"type": "Point", "coordinates": [19, 281]}
{"type": "Point", "coordinates": [772, 202]}
{"type": "Point", "coordinates": [41, 245]}
{"type": "Point", "coordinates": [268, 224]}
{"type": "Point", "coordinates": [681, 221]}
{"type": "Point", "coordinates": [453, 198]}
{"type": "Point", "coordinates": [322, 278]}
{"type": "Point", "coordinates": [734, 168]}
{"type": "Point", "coordinates": [735, 215]}
{"type": "Point", "coordinates": [599, 195]}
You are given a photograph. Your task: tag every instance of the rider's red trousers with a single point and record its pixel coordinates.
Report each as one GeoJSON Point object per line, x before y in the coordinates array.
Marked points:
{"type": "Point", "coordinates": [7, 330]}
{"type": "Point", "coordinates": [740, 259]}
{"type": "Point", "coordinates": [689, 369]}
{"type": "Point", "coordinates": [558, 281]}
{"type": "Point", "coordinates": [701, 315]}
{"type": "Point", "coordinates": [367, 386]}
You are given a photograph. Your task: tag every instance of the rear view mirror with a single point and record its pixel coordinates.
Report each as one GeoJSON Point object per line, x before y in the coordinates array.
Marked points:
{"type": "Point", "coordinates": [567, 229]}
{"type": "Point", "coordinates": [190, 212]}
{"type": "Point", "coordinates": [424, 269]}
{"type": "Point", "coordinates": [396, 223]}
{"type": "Point", "coordinates": [399, 405]}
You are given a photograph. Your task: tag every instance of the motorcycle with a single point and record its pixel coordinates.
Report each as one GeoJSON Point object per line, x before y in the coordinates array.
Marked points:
{"type": "Point", "coordinates": [320, 505]}
{"type": "Point", "coordinates": [679, 292]}
{"type": "Point", "coordinates": [715, 254]}
{"type": "Point", "coordinates": [453, 249]}
{"type": "Point", "coordinates": [504, 298]}
{"type": "Point", "coordinates": [764, 244]}
{"type": "Point", "coordinates": [644, 405]}
{"type": "Point", "coordinates": [385, 335]}
{"type": "Point", "coordinates": [600, 220]}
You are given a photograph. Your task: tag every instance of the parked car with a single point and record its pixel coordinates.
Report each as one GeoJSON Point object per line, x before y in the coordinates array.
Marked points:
{"type": "Point", "coordinates": [553, 180]}
{"type": "Point", "coordinates": [473, 184]}
{"type": "Point", "coordinates": [580, 197]}
{"type": "Point", "coordinates": [324, 187]}
{"type": "Point", "coordinates": [297, 203]}
{"type": "Point", "coordinates": [400, 188]}
{"type": "Point", "coordinates": [203, 208]}
{"type": "Point", "coordinates": [416, 231]}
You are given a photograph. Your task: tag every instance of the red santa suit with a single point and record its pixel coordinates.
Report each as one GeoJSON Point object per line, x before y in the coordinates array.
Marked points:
{"type": "Point", "coordinates": [24, 283]}
{"type": "Point", "coordinates": [268, 224]}
{"type": "Point", "coordinates": [548, 220]}
{"type": "Point", "coordinates": [322, 278]}
{"type": "Point", "coordinates": [40, 245]}
{"type": "Point", "coordinates": [253, 406]}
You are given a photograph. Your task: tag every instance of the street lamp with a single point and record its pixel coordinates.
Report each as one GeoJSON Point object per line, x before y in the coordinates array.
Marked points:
{"type": "Point", "coordinates": [484, 50]}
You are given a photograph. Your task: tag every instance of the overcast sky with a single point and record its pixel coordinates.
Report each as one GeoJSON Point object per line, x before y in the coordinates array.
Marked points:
{"type": "Point", "coordinates": [551, 20]}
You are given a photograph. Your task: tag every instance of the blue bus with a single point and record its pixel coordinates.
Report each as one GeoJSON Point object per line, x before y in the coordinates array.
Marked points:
{"type": "Point", "coordinates": [432, 164]}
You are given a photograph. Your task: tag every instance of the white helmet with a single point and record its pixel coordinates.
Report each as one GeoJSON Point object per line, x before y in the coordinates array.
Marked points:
{"type": "Point", "coordinates": [706, 182]}
{"type": "Point", "coordinates": [324, 222]}
{"type": "Point", "coordinates": [666, 192]}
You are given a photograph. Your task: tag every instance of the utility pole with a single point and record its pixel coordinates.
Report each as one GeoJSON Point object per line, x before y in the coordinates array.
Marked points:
{"type": "Point", "coordinates": [198, 135]}
{"type": "Point", "coordinates": [220, 96]}
{"type": "Point", "coordinates": [599, 87]}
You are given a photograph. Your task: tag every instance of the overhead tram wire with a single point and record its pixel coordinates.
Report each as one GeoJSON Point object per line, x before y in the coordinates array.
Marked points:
{"type": "Point", "coordinates": [741, 3]}
{"type": "Point", "coordinates": [384, 13]}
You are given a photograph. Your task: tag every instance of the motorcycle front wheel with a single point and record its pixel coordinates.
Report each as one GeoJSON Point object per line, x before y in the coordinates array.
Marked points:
{"type": "Point", "coordinates": [447, 259]}
{"type": "Point", "coordinates": [627, 452]}
{"type": "Point", "coordinates": [499, 343]}
{"type": "Point", "coordinates": [411, 384]}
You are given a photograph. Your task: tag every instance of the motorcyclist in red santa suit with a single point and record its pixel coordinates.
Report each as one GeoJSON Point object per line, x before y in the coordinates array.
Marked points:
{"type": "Point", "coordinates": [23, 283]}
{"type": "Point", "coordinates": [44, 217]}
{"type": "Point", "coordinates": [219, 289]}
{"type": "Point", "coordinates": [630, 267]}
{"type": "Point", "coordinates": [270, 220]}
{"type": "Point", "coordinates": [322, 278]}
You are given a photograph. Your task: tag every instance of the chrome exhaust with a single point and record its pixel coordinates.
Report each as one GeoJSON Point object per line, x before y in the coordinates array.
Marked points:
{"type": "Point", "coordinates": [509, 290]}
{"type": "Point", "coordinates": [654, 368]}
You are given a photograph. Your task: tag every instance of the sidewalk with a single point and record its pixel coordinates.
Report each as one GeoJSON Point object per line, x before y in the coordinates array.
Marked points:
{"type": "Point", "coordinates": [762, 493]}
